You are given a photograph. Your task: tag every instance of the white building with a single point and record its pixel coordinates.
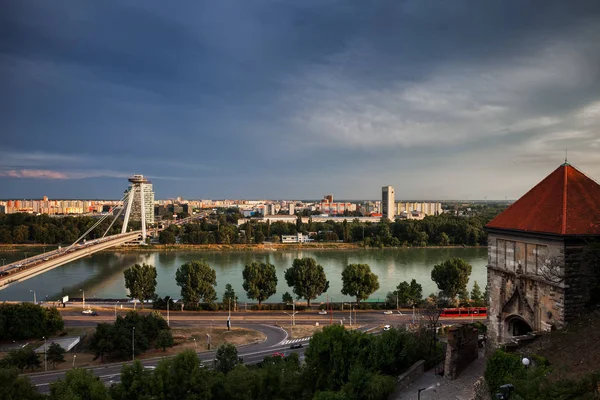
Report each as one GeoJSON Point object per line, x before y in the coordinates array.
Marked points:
{"type": "Point", "coordinates": [297, 238]}
{"type": "Point", "coordinates": [388, 202]}
{"type": "Point", "coordinates": [148, 196]}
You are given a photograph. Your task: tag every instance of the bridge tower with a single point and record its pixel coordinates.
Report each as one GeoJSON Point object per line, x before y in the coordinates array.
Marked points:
{"type": "Point", "coordinates": [141, 195]}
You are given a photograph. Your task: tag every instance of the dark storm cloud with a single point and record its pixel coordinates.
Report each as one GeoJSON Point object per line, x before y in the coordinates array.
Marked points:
{"type": "Point", "coordinates": [291, 99]}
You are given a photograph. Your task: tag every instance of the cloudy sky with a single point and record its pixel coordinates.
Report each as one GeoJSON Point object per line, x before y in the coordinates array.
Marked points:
{"type": "Point", "coordinates": [296, 99]}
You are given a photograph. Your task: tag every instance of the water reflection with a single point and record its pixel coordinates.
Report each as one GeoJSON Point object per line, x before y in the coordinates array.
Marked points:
{"type": "Point", "coordinates": [101, 275]}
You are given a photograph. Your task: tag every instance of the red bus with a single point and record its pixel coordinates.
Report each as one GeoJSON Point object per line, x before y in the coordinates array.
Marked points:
{"type": "Point", "coordinates": [464, 312]}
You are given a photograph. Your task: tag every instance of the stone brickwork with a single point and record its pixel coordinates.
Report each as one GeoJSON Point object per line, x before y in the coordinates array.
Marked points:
{"type": "Point", "coordinates": [535, 283]}
{"type": "Point", "coordinates": [462, 349]}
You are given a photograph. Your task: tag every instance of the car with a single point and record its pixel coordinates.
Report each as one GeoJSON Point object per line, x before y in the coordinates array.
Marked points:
{"type": "Point", "coordinates": [89, 312]}
{"type": "Point", "coordinates": [296, 346]}
{"type": "Point", "coordinates": [386, 327]}
{"type": "Point", "coordinates": [278, 355]}
{"type": "Point", "coordinates": [323, 312]}
{"type": "Point", "coordinates": [388, 312]}
{"type": "Point", "coordinates": [150, 367]}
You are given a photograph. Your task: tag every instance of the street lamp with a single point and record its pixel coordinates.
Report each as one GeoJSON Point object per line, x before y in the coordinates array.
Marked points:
{"type": "Point", "coordinates": [195, 344]}
{"type": "Point", "coordinates": [168, 301]}
{"type": "Point", "coordinates": [83, 303]}
{"type": "Point", "coordinates": [45, 356]}
{"type": "Point", "coordinates": [74, 355]}
{"type": "Point", "coordinates": [292, 318]}
{"type": "Point", "coordinates": [34, 298]}
{"type": "Point", "coordinates": [133, 343]}
{"type": "Point", "coordinates": [350, 313]}
{"type": "Point", "coordinates": [526, 361]}
{"type": "Point", "coordinates": [116, 310]}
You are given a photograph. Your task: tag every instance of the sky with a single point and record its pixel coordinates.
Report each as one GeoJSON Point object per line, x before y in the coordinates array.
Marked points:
{"type": "Point", "coordinates": [296, 99]}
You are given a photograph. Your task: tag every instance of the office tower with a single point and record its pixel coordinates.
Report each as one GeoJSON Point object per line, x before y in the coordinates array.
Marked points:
{"type": "Point", "coordinates": [388, 202]}
{"type": "Point", "coordinates": [139, 203]}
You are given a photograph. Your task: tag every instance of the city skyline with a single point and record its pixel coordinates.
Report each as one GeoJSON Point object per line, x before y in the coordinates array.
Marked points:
{"type": "Point", "coordinates": [290, 100]}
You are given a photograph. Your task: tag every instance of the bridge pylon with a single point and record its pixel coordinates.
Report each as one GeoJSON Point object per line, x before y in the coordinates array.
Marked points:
{"type": "Point", "coordinates": [140, 198]}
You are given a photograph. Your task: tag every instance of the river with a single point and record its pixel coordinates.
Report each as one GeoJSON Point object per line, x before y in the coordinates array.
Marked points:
{"type": "Point", "coordinates": [101, 275]}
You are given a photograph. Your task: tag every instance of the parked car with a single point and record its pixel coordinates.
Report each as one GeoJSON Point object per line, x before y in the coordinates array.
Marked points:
{"type": "Point", "coordinates": [323, 312]}
{"type": "Point", "coordinates": [296, 346]}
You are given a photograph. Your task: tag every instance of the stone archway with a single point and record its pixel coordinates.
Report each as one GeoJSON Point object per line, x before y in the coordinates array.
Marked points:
{"type": "Point", "coordinates": [517, 326]}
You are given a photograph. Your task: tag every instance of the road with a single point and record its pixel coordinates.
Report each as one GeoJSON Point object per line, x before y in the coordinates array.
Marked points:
{"type": "Point", "coordinates": [261, 321]}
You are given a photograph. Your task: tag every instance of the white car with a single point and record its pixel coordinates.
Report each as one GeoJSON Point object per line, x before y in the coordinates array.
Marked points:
{"type": "Point", "coordinates": [386, 327]}
{"type": "Point", "coordinates": [388, 312]}
{"type": "Point", "coordinates": [323, 312]}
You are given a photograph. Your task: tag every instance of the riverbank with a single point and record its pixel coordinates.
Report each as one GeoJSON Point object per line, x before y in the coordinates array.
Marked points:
{"type": "Point", "coordinates": [228, 247]}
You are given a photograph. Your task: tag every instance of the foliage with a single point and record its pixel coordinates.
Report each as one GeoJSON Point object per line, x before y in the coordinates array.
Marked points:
{"type": "Point", "coordinates": [287, 298]}
{"type": "Point", "coordinates": [260, 280]}
{"type": "Point", "coordinates": [359, 281]}
{"type": "Point", "coordinates": [27, 320]}
{"type": "Point", "coordinates": [451, 276]}
{"type": "Point", "coordinates": [197, 281]}
{"type": "Point", "coordinates": [136, 383]}
{"type": "Point", "coordinates": [307, 278]}
{"type": "Point", "coordinates": [164, 339]}
{"type": "Point", "coordinates": [167, 237]}
{"type": "Point", "coordinates": [141, 282]}
{"type": "Point", "coordinates": [476, 295]}
{"type": "Point", "coordinates": [23, 358]}
{"type": "Point", "coordinates": [55, 354]}
{"type": "Point", "coordinates": [79, 384]}
{"type": "Point", "coordinates": [16, 387]}
{"type": "Point", "coordinates": [229, 296]}
{"type": "Point", "coordinates": [406, 294]}
{"type": "Point", "coordinates": [226, 358]}
{"type": "Point", "coordinates": [181, 377]}
{"type": "Point", "coordinates": [115, 340]}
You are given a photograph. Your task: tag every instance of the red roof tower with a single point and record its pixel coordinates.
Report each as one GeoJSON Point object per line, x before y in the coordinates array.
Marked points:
{"type": "Point", "coordinates": [566, 202]}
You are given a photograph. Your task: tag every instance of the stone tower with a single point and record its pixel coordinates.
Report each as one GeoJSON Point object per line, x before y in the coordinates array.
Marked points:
{"type": "Point", "coordinates": [537, 280]}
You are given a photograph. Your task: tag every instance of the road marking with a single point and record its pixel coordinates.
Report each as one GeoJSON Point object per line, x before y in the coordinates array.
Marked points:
{"type": "Point", "coordinates": [290, 341]}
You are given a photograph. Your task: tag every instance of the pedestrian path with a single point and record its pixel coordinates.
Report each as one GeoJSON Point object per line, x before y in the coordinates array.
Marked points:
{"type": "Point", "coordinates": [290, 341]}
{"type": "Point", "coordinates": [432, 386]}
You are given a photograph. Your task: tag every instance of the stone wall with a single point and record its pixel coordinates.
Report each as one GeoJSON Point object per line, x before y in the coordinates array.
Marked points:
{"type": "Point", "coordinates": [407, 378]}
{"type": "Point", "coordinates": [462, 349]}
{"type": "Point", "coordinates": [520, 289]}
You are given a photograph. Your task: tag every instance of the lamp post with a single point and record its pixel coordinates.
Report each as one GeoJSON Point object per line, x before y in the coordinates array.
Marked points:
{"type": "Point", "coordinates": [195, 344]}
{"type": "Point", "coordinates": [34, 298]}
{"type": "Point", "coordinates": [45, 356]}
{"type": "Point", "coordinates": [83, 302]}
{"type": "Point", "coordinates": [133, 344]}
{"type": "Point", "coordinates": [350, 313]}
{"type": "Point", "coordinates": [116, 310]}
{"type": "Point", "coordinates": [168, 301]}
{"type": "Point", "coordinates": [292, 318]}
{"type": "Point", "coordinates": [526, 361]}
{"type": "Point", "coordinates": [74, 355]}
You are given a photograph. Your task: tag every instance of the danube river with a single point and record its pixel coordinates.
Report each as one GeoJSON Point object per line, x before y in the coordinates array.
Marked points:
{"type": "Point", "coordinates": [101, 275]}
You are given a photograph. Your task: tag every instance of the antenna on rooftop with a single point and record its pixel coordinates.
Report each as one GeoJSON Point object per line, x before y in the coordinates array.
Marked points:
{"type": "Point", "coordinates": [566, 153]}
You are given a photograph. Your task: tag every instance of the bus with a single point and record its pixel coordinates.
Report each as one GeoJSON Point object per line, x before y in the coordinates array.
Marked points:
{"type": "Point", "coordinates": [463, 312]}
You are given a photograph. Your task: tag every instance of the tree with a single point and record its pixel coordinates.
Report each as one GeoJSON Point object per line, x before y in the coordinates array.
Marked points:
{"type": "Point", "coordinates": [197, 281]}
{"type": "Point", "coordinates": [137, 383]}
{"type": "Point", "coordinates": [451, 276]}
{"type": "Point", "coordinates": [79, 384]}
{"type": "Point", "coordinates": [55, 354]}
{"type": "Point", "coordinates": [17, 387]}
{"type": "Point", "coordinates": [307, 278]}
{"type": "Point", "coordinates": [226, 358]}
{"type": "Point", "coordinates": [409, 294]}
{"type": "Point", "coordinates": [260, 280]}
{"type": "Point", "coordinates": [141, 282]}
{"type": "Point", "coordinates": [287, 298]}
{"type": "Point", "coordinates": [359, 281]}
{"type": "Point", "coordinates": [164, 339]}
{"type": "Point", "coordinates": [229, 296]}
{"type": "Point", "coordinates": [476, 295]}
{"type": "Point", "coordinates": [463, 297]}
{"type": "Point", "coordinates": [24, 358]}
{"type": "Point", "coordinates": [167, 237]}
{"type": "Point", "coordinates": [54, 321]}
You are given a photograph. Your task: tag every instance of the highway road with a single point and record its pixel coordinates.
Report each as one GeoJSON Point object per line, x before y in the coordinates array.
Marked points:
{"type": "Point", "coordinates": [263, 321]}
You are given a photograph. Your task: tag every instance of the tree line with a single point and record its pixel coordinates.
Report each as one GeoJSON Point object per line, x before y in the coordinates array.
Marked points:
{"type": "Point", "coordinates": [441, 230]}
{"type": "Point", "coordinates": [365, 369]}
{"type": "Point", "coordinates": [27, 320]}
{"type": "Point", "coordinates": [307, 281]}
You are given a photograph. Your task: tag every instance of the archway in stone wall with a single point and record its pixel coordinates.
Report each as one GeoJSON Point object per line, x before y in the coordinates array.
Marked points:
{"type": "Point", "coordinates": [517, 326]}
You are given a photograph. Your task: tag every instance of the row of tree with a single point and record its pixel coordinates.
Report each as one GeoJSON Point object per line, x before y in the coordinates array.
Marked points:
{"type": "Point", "coordinates": [307, 279]}
{"type": "Point", "coordinates": [365, 368]}
{"type": "Point", "coordinates": [27, 320]}
{"type": "Point", "coordinates": [221, 228]}
{"type": "Point", "coordinates": [27, 359]}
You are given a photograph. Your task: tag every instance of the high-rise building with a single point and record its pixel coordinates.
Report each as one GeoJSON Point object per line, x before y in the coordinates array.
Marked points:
{"type": "Point", "coordinates": [388, 200]}
{"type": "Point", "coordinates": [328, 198]}
{"type": "Point", "coordinates": [142, 193]}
